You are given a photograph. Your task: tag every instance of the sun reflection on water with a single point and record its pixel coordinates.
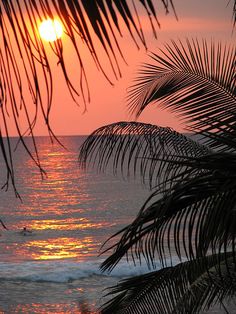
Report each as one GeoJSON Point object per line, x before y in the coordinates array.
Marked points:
{"type": "Point", "coordinates": [60, 248]}
{"type": "Point", "coordinates": [71, 214]}
{"type": "Point", "coordinates": [50, 308]}
{"type": "Point", "coordinates": [67, 224]}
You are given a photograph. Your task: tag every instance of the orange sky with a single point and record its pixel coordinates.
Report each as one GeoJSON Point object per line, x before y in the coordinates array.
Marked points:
{"type": "Point", "coordinates": [201, 19]}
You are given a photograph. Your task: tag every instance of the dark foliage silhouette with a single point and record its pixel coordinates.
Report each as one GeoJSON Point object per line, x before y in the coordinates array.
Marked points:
{"type": "Point", "coordinates": [190, 213]}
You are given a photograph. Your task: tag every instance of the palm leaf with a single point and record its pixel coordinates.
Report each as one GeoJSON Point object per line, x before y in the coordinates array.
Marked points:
{"type": "Point", "coordinates": [196, 82]}
{"type": "Point", "coordinates": [184, 222]}
{"type": "Point", "coordinates": [234, 12]}
{"type": "Point", "coordinates": [153, 152]}
{"type": "Point", "coordinates": [185, 288]}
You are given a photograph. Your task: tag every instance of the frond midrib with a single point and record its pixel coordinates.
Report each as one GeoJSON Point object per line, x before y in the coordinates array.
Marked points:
{"type": "Point", "coordinates": [204, 78]}
{"type": "Point", "coordinates": [204, 275]}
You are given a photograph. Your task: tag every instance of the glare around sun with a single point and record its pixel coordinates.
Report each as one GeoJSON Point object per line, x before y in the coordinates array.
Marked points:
{"type": "Point", "coordinates": [50, 30]}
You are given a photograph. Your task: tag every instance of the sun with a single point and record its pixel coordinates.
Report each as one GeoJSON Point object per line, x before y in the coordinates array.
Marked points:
{"type": "Point", "coordinates": [50, 30]}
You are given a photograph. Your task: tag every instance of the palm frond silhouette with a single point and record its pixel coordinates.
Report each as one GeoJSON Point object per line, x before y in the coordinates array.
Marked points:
{"type": "Point", "coordinates": [190, 213]}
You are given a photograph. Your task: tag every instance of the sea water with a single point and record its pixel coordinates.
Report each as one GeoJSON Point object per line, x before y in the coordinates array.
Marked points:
{"type": "Point", "coordinates": [71, 213]}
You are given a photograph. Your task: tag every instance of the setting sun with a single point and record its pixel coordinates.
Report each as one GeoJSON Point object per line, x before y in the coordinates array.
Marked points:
{"type": "Point", "coordinates": [51, 30]}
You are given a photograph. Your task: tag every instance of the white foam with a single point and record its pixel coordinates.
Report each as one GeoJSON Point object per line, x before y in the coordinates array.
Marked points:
{"type": "Point", "coordinates": [65, 271]}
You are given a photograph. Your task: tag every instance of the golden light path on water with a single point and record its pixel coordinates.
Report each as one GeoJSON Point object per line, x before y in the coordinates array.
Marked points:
{"type": "Point", "coordinates": [71, 213]}
{"type": "Point", "coordinates": [79, 247]}
{"type": "Point", "coordinates": [67, 224]}
{"type": "Point", "coordinates": [60, 248]}
{"type": "Point", "coordinates": [60, 211]}
{"type": "Point", "coordinates": [80, 308]}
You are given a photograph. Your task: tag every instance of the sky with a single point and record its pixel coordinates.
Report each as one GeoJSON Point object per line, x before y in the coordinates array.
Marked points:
{"type": "Point", "coordinates": [196, 19]}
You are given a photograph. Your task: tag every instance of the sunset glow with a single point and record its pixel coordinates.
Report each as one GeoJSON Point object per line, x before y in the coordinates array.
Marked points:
{"type": "Point", "coordinates": [50, 30]}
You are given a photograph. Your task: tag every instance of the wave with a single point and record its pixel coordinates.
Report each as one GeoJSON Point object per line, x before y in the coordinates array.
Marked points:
{"type": "Point", "coordinates": [65, 271]}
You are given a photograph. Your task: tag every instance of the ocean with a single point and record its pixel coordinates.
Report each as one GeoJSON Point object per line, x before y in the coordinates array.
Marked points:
{"type": "Point", "coordinates": [71, 213]}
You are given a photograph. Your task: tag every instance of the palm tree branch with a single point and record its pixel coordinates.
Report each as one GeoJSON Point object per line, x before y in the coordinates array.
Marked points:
{"type": "Point", "coordinates": [153, 152]}
{"type": "Point", "coordinates": [194, 81]}
{"type": "Point", "coordinates": [234, 13]}
{"type": "Point", "coordinates": [187, 287]}
{"type": "Point", "coordinates": [186, 92]}
{"type": "Point", "coordinates": [184, 220]}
